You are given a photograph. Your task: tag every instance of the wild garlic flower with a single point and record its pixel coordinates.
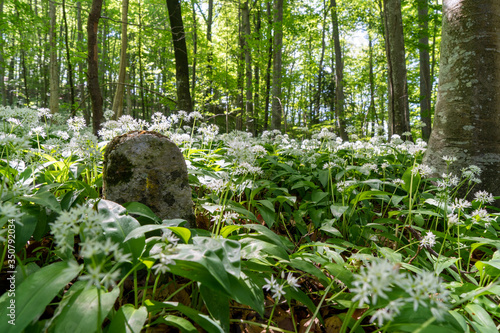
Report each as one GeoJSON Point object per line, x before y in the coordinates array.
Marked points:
{"type": "Point", "coordinates": [10, 211]}
{"type": "Point", "coordinates": [429, 240]}
{"type": "Point", "coordinates": [276, 288]}
{"type": "Point", "coordinates": [481, 215]}
{"type": "Point", "coordinates": [75, 124]}
{"type": "Point", "coordinates": [460, 204]}
{"type": "Point", "coordinates": [388, 313]}
{"type": "Point", "coordinates": [484, 197]}
{"type": "Point", "coordinates": [449, 159]}
{"type": "Point", "coordinates": [292, 281]}
{"type": "Point", "coordinates": [453, 220]}
{"type": "Point", "coordinates": [38, 131]}
{"type": "Point", "coordinates": [398, 182]}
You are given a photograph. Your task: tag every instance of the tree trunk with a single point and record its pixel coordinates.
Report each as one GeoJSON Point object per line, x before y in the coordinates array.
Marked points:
{"type": "Point", "coordinates": [248, 69]}
{"type": "Point", "coordinates": [93, 65]}
{"type": "Point", "coordinates": [3, 91]}
{"type": "Point", "coordinates": [425, 69]}
{"type": "Point", "coordinates": [276, 108]}
{"type": "Point", "coordinates": [339, 74]}
{"type": "Point", "coordinates": [317, 99]}
{"type": "Point", "coordinates": [467, 115]}
{"type": "Point", "coordinates": [195, 54]}
{"type": "Point", "coordinates": [54, 72]}
{"type": "Point", "coordinates": [181, 59]}
{"type": "Point", "coordinates": [68, 60]}
{"type": "Point", "coordinates": [81, 79]}
{"type": "Point", "coordinates": [120, 85]}
{"type": "Point", "coordinates": [256, 97]}
{"type": "Point", "coordinates": [269, 65]}
{"type": "Point", "coordinates": [399, 109]}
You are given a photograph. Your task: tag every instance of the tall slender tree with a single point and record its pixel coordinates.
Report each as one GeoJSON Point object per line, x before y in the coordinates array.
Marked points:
{"type": "Point", "coordinates": [54, 67]}
{"type": "Point", "coordinates": [339, 73]}
{"type": "Point", "coordinates": [93, 65]}
{"type": "Point", "coordinates": [425, 68]}
{"type": "Point", "coordinates": [276, 108]}
{"type": "Point", "coordinates": [467, 115]}
{"type": "Point", "coordinates": [248, 68]}
{"type": "Point", "coordinates": [181, 56]}
{"type": "Point", "coordinates": [399, 108]}
{"type": "Point", "coordinates": [120, 85]}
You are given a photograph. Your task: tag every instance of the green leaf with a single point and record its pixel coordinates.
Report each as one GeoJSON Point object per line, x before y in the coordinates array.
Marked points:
{"type": "Point", "coordinates": [481, 320]}
{"type": "Point", "coordinates": [117, 226]}
{"type": "Point", "coordinates": [229, 229]}
{"type": "Point", "coordinates": [34, 294]}
{"type": "Point", "coordinates": [253, 248]}
{"type": "Point", "coordinates": [271, 236]}
{"type": "Point", "coordinates": [442, 263]}
{"type": "Point", "coordinates": [338, 210]}
{"type": "Point", "coordinates": [268, 215]}
{"type": "Point", "coordinates": [411, 180]}
{"type": "Point", "coordinates": [24, 232]}
{"type": "Point", "coordinates": [391, 255]}
{"type": "Point", "coordinates": [204, 321]}
{"type": "Point", "coordinates": [217, 305]}
{"type": "Point", "coordinates": [44, 199]}
{"type": "Point", "coordinates": [183, 324]}
{"type": "Point", "coordinates": [137, 208]}
{"type": "Point", "coordinates": [85, 301]}
{"type": "Point", "coordinates": [128, 319]}
{"type": "Point", "coordinates": [318, 196]}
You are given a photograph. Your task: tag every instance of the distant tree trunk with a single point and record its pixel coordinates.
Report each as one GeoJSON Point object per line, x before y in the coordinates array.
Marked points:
{"type": "Point", "coordinates": [371, 108]}
{"type": "Point", "coordinates": [68, 60]}
{"type": "Point", "coordinates": [317, 102]}
{"type": "Point", "coordinates": [399, 108]}
{"type": "Point", "coordinates": [339, 74]}
{"type": "Point", "coordinates": [209, 90]}
{"type": "Point", "coordinates": [256, 97]}
{"type": "Point", "coordinates": [195, 54]}
{"type": "Point", "coordinates": [425, 69]}
{"type": "Point", "coordinates": [181, 59]}
{"type": "Point", "coordinates": [120, 87]}
{"type": "Point", "coordinates": [93, 65]}
{"type": "Point", "coordinates": [277, 47]}
{"type": "Point", "coordinates": [54, 69]}
{"type": "Point", "coordinates": [3, 92]}
{"type": "Point", "coordinates": [240, 79]}
{"type": "Point", "coordinates": [141, 68]}
{"type": "Point", "coordinates": [269, 65]}
{"type": "Point", "coordinates": [467, 118]}
{"type": "Point", "coordinates": [248, 69]}
{"type": "Point", "coordinates": [81, 82]}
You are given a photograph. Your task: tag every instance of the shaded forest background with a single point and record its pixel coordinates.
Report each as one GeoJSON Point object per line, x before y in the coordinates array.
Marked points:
{"type": "Point", "coordinates": [232, 64]}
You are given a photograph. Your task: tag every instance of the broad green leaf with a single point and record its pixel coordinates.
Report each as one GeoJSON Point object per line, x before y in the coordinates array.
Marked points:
{"type": "Point", "coordinates": [252, 248]}
{"type": "Point", "coordinates": [412, 181]}
{"type": "Point", "coordinates": [24, 232]}
{"type": "Point", "coordinates": [183, 324]}
{"type": "Point", "coordinates": [183, 233]}
{"type": "Point", "coordinates": [391, 255]}
{"type": "Point", "coordinates": [34, 294]}
{"type": "Point", "coordinates": [128, 319]}
{"type": "Point", "coordinates": [318, 196]}
{"type": "Point", "coordinates": [480, 316]}
{"type": "Point", "coordinates": [301, 264]}
{"type": "Point", "coordinates": [268, 215]}
{"type": "Point", "coordinates": [271, 236]}
{"type": "Point", "coordinates": [229, 229]}
{"type": "Point", "coordinates": [117, 226]}
{"type": "Point", "coordinates": [141, 209]}
{"type": "Point", "coordinates": [204, 321]}
{"type": "Point", "coordinates": [338, 210]}
{"type": "Point", "coordinates": [442, 263]}
{"type": "Point", "coordinates": [85, 301]}
{"type": "Point", "coordinates": [44, 199]}
{"type": "Point", "coordinates": [217, 304]}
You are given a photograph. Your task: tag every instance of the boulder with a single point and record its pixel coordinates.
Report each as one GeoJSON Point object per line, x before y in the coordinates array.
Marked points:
{"type": "Point", "coordinates": [147, 167]}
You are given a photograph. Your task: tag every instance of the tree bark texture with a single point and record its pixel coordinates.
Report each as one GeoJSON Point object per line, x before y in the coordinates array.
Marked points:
{"type": "Point", "coordinates": [68, 60]}
{"type": "Point", "coordinates": [467, 118]}
{"type": "Point", "coordinates": [54, 68]}
{"type": "Point", "coordinates": [425, 69]}
{"type": "Point", "coordinates": [399, 109]}
{"type": "Point", "coordinates": [339, 74]}
{"type": "Point", "coordinates": [276, 107]}
{"type": "Point", "coordinates": [93, 65]}
{"type": "Point", "coordinates": [181, 58]}
{"type": "Point", "coordinates": [248, 68]}
{"type": "Point", "coordinates": [120, 87]}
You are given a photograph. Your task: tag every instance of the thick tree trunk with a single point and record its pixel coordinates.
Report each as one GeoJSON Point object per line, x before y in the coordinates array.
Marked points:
{"type": "Point", "coordinates": [399, 109]}
{"type": "Point", "coordinates": [425, 69]}
{"type": "Point", "coordinates": [120, 87]}
{"type": "Point", "coordinates": [181, 57]}
{"type": "Point", "coordinates": [93, 65]}
{"type": "Point", "coordinates": [277, 46]}
{"type": "Point", "coordinates": [269, 64]}
{"type": "Point", "coordinates": [81, 83]}
{"type": "Point", "coordinates": [54, 69]}
{"type": "Point", "coordinates": [195, 54]}
{"type": "Point", "coordinates": [339, 74]}
{"type": "Point", "coordinates": [467, 115]}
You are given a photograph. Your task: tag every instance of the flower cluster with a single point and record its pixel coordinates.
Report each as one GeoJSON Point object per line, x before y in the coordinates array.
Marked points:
{"type": "Point", "coordinates": [276, 288]}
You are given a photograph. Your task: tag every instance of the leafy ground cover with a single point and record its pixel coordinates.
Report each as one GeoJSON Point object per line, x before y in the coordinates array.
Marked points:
{"type": "Point", "coordinates": [309, 235]}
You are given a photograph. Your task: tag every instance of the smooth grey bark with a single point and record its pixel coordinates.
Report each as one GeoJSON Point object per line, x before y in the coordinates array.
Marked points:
{"type": "Point", "coordinates": [398, 108]}
{"type": "Point", "coordinates": [269, 64]}
{"type": "Point", "coordinates": [68, 60]}
{"type": "Point", "coordinates": [54, 68]}
{"type": "Point", "coordinates": [467, 118]}
{"type": "Point", "coordinates": [276, 106]}
{"type": "Point", "coordinates": [425, 68]}
{"type": "Point", "coordinates": [120, 87]}
{"type": "Point", "coordinates": [339, 74]}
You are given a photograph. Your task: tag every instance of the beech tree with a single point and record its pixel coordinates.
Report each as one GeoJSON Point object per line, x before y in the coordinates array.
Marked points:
{"type": "Point", "coordinates": [93, 65]}
{"type": "Point", "coordinates": [181, 56]}
{"type": "Point", "coordinates": [467, 118]}
{"type": "Point", "coordinates": [277, 48]}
